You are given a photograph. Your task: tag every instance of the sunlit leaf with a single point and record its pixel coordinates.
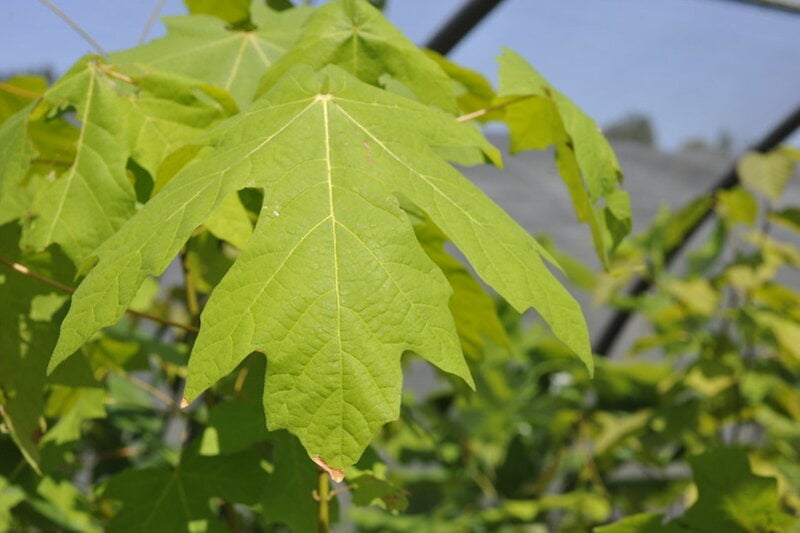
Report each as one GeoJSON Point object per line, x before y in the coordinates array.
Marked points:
{"type": "Point", "coordinates": [332, 285]}
{"type": "Point", "coordinates": [353, 35]}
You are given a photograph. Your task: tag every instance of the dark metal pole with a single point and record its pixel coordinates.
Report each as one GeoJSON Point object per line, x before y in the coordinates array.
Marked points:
{"type": "Point", "coordinates": [785, 6]}
{"type": "Point", "coordinates": [460, 24]}
{"type": "Point", "coordinates": [618, 322]}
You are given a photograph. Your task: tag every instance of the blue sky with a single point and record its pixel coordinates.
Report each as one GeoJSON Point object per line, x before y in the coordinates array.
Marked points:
{"type": "Point", "coordinates": [697, 67]}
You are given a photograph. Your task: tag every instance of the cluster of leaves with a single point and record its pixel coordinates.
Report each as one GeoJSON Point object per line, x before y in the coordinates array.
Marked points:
{"type": "Point", "coordinates": [295, 167]}
{"type": "Point", "coordinates": [694, 429]}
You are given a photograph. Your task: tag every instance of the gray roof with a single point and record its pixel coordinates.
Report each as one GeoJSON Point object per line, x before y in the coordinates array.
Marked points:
{"type": "Point", "coordinates": [533, 194]}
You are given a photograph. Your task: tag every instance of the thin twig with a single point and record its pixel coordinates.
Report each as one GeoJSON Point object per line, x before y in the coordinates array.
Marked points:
{"type": "Point", "coordinates": [18, 91]}
{"type": "Point", "coordinates": [484, 111]}
{"type": "Point", "coordinates": [151, 21]}
{"type": "Point", "coordinates": [25, 271]}
{"type": "Point", "coordinates": [75, 26]}
{"type": "Point", "coordinates": [153, 391]}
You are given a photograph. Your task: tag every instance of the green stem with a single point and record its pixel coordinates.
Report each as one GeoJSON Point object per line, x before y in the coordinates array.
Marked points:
{"type": "Point", "coordinates": [324, 498]}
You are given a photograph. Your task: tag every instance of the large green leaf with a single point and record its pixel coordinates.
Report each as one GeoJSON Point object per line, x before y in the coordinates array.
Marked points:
{"type": "Point", "coordinates": [473, 309]}
{"type": "Point", "coordinates": [155, 500]}
{"type": "Point", "coordinates": [538, 115]}
{"type": "Point", "coordinates": [332, 285]}
{"type": "Point", "coordinates": [204, 48]}
{"type": "Point", "coordinates": [355, 36]}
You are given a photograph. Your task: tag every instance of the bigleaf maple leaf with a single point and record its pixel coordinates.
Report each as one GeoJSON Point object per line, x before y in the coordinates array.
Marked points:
{"type": "Point", "coordinates": [333, 285]}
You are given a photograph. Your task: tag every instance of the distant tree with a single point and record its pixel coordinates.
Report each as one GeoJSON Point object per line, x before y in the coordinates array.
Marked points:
{"type": "Point", "coordinates": [634, 127]}
{"type": "Point", "coordinates": [723, 144]}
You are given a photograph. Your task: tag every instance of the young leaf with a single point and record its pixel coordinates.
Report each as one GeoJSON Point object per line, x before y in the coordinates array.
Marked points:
{"type": "Point", "coordinates": [355, 36]}
{"type": "Point", "coordinates": [333, 285]}
{"type": "Point", "coordinates": [204, 48]}
{"type": "Point", "coordinates": [767, 174]}
{"type": "Point", "coordinates": [538, 115]}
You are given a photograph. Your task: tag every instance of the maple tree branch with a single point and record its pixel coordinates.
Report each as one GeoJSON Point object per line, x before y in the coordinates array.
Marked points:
{"type": "Point", "coordinates": [18, 91]}
{"type": "Point", "coordinates": [75, 26]}
{"type": "Point", "coordinates": [480, 112]}
{"type": "Point", "coordinates": [25, 271]}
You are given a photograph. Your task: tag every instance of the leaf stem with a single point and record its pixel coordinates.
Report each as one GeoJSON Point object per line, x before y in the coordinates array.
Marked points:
{"type": "Point", "coordinates": [75, 26]}
{"type": "Point", "coordinates": [323, 499]}
{"type": "Point", "coordinates": [480, 112]}
{"type": "Point", "coordinates": [25, 271]}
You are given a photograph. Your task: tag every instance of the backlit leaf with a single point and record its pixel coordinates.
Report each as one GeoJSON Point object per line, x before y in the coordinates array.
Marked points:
{"type": "Point", "coordinates": [538, 115]}
{"type": "Point", "coordinates": [353, 35]}
{"type": "Point", "coordinates": [204, 48]}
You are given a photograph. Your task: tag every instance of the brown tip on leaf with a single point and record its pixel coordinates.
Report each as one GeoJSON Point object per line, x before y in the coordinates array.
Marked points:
{"type": "Point", "coordinates": [336, 474]}
{"type": "Point", "coordinates": [185, 403]}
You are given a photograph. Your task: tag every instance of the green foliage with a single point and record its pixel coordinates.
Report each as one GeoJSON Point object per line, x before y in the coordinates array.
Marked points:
{"type": "Point", "coordinates": [258, 211]}
{"type": "Point", "coordinates": [729, 498]}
